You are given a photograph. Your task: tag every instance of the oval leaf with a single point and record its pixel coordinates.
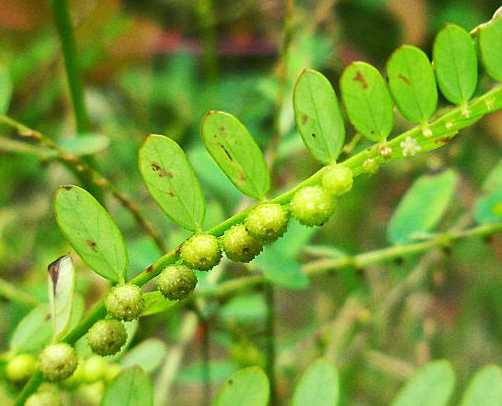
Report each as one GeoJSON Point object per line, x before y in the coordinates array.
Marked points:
{"type": "Point", "coordinates": [91, 232]}
{"type": "Point", "coordinates": [412, 83]}
{"type": "Point", "coordinates": [432, 385]}
{"type": "Point", "coordinates": [85, 144]}
{"type": "Point", "coordinates": [61, 285]}
{"type": "Point", "coordinates": [235, 151]}
{"type": "Point", "coordinates": [489, 45]}
{"type": "Point", "coordinates": [247, 387]}
{"type": "Point", "coordinates": [318, 385]}
{"type": "Point", "coordinates": [318, 116]}
{"type": "Point", "coordinates": [33, 332]}
{"type": "Point", "coordinates": [171, 181]}
{"type": "Point", "coordinates": [149, 355]}
{"type": "Point", "coordinates": [422, 207]}
{"type": "Point", "coordinates": [367, 101]}
{"type": "Point", "coordinates": [455, 63]}
{"type": "Point", "coordinates": [132, 387]}
{"type": "Point", "coordinates": [5, 89]}
{"type": "Point", "coordinates": [485, 389]}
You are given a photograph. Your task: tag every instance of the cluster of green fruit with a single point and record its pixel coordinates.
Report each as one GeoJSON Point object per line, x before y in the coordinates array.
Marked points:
{"type": "Point", "coordinates": [310, 205]}
{"type": "Point", "coordinates": [56, 362]}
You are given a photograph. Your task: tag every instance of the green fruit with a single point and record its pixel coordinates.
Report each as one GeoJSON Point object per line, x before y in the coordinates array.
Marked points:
{"type": "Point", "coordinates": [44, 399]}
{"type": "Point", "coordinates": [106, 337]}
{"type": "Point", "coordinates": [57, 361]}
{"type": "Point", "coordinates": [94, 368]}
{"type": "Point", "coordinates": [312, 205]}
{"type": "Point", "coordinates": [201, 252]}
{"type": "Point", "coordinates": [21, 367]}
{"type": "Point", "coordinates": [267, 222]}
{"type": "Point", "coordinates": [176, 282]}
{"type": "Point", "coordinates": [124, 302]}
{"type": "Point", "coordinates": [112, 371]}
{"type": "Point", "coordinates": [337, 179]}
{"type": "Point", "coordinates": [239, 245]}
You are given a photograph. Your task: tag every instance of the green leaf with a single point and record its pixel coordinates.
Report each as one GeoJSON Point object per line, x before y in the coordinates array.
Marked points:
{"type": "Point", "coordinates": [149, 355]}
{"type": "Point", "coordinates": [247, 387]}
{"type": "Point", "coordinates": [91, 232]}
{"type": "Point", "coordinates": [132, 387]}
{"type": "Point", "coordinates": [432, 385]}
{"type": "Point", "coordinates": [318, 385]}
{"type": "Point", "coordinates": [422, 207]}
{"type": "Point", "coordinates": [485, 389]}
{"type": "Point", "coordinates": [455, 63]}
{"type": "Point", "coordinates": [244, 309]}
{"type": "Point", "coordinates": [33, 332]}
{"type": "Point", "coordinates": [318, 116]}
{"type": "Point", "coordinates": [85, 144]}
{"type": "Point", "coordinates": [412, 83]}
{"type": "Point", "coordinates": [488, 208]}
{"type": "Point", "coordinates": [154, 302]}
{"type": "Point", "coordinates": [61, 278]}
{"type": "Point", "coordinates": [490, 35]}
{"type": "Point", "coordinates": [237, 154]}
{"type": "Point", "coordinates": [195, 373]}
{"type": "Point", "coordinates": [367, 101]}
{"type": "Point", "coordinates": [280, 269]}
{"type": "Point", "coordinates": [5, 89]}
{"type": "Point", "coordinates": [171, 181]}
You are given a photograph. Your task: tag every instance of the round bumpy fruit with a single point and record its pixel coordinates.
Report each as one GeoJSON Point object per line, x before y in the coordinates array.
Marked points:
{"type": "Point", "coordinates": [201, 252]}
{"type": "Point", "coordinates": [312, 205]}
{"type": "Point", "coordinates": [124, 302]}
{"type": "Point", "coordinates": [337, 179]}
{"type": "Point", "coordinates": [106, 337]}
{"type": "Point", "coordinates": [267, 222]}
{"type": "Point", "coordinates": [176, 282]}
{"type": "Point", "coordinates": [239, 245]}
{"type": "Point", "coordinates": [44, 399]}
{"type": "Point", "coordinates": [57, 361]}
{"type": "Point", "coordinates": [21, 367]}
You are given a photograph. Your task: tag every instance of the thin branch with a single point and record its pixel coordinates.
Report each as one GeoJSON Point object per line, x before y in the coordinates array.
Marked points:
{"type": "Point", "coordinates": [66, 35]}
{"type": "Point", "coordinates": [76, 164]}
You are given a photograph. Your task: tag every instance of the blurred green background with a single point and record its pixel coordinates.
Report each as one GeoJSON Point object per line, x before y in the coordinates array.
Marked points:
{"type": "Point", "coordinates": [158, 67]}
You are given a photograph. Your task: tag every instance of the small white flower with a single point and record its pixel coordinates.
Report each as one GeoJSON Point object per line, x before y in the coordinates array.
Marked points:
{"type": "Point", "coordinates": [386, 152]}
{"type": "Point", "coordinates": [410, 147]}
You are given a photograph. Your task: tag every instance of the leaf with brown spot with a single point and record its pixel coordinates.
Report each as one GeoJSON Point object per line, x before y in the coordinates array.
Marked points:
{"type": "Point", "coordinates": [367, 101]}
{"type": "Point", "coordinates": [236, 153]}
{"type": "Point", "coordinates": [318, 116]}
{"type": "Point", "coordinates": [171, 181]}
{"type": "Point", "coordinates": [87, 226]}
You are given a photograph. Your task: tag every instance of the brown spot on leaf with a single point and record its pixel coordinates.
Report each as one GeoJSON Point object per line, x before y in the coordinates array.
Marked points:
{"type": "Point", "coordinates": [159, 170]}
{"type": "Point", "coordinates": [170, 174]}
{"type": "Point", "coordinates": [53, 270]}
{"type": "Point", "coordinates": [67, 187]}
{"type": "Point", "coordinates": [404, 79]}
{"type": "Point", "coordinates": [170, 192]}
{"type": "Point", "coordinates": [305, 118]}
{"type": "Point", "coordinates": [92, 245]}
{"type": "Point", "coordinates": [313, 135]}
{"type": "Point", "coordinates": [149, 269]}
{"type": "Point", "coordinates": [226, 152]}
{"type": "Point", "coordinates": [360, 78]}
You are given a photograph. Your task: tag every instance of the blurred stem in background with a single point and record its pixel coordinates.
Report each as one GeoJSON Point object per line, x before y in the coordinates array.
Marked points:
{"type": "Point", "coordinates": [87, 173]}
{"type": "Point", "coordinates": [205, 11]}
{"type": "Point", "coordinates": [63, 23]}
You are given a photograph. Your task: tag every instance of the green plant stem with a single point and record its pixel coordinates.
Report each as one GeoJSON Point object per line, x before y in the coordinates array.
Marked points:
{"type": "Point", "coordinates": [444, 127]}
{"type": "Point", "coordinates": [66, 35]}
{"type": "Point", "coordinates": [206, 359]}
{"type": "Point", "coordinates": [87, 172]}
{"type": "Point", "coordinates": [270, 336]}
{"type": "Point", "coordinates": [14, 294]}
{"type": "Point", "coordinates": [31, 387]}
{"type": "Point", "coordinates": [205, 10]}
